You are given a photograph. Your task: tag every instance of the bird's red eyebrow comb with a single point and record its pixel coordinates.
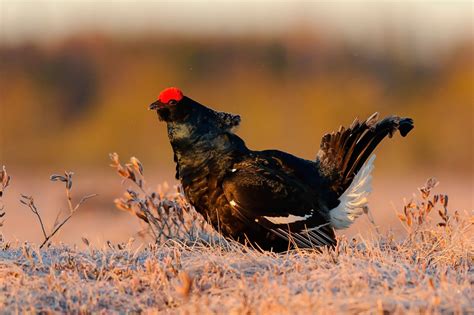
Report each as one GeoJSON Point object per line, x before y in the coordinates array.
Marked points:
{"type": "Point", "coordinates": [169, 94]}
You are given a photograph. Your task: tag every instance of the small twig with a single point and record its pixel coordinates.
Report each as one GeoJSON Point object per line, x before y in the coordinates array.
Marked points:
{"type": "Point", "coordinates": [371, 219]}
{"type": "Point", "coordinates": [28, 201]}
{"type": "Point", "coordinates": [84, 199]}
{"type": "Point", "coordinates": [41, 223]}
{"type": "Point", "coordinates": [69, 200]}
{"type": "Point", "coordinates": [48, 237]}
{"type": "Point", "coordinates": [4, 182]}
{"type": "Point", "coordinates": [56, 220]}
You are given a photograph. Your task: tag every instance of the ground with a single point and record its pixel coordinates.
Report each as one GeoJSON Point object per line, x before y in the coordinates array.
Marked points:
{"type": "Point", "coordinates": [428, 269]}
{"type": "Point", "coordinates": [358, 276]}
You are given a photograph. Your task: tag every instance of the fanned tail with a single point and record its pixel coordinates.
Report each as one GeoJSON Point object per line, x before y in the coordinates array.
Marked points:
{"type": "Point", "coordinates": [343, 161]}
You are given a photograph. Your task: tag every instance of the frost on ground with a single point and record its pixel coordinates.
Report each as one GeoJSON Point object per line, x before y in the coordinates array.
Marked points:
{"type": "Point", "coordinates": [430, 271]}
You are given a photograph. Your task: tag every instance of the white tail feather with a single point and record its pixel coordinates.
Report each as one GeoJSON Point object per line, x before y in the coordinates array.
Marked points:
{"type": "Point", "coordinates": [354, 199]}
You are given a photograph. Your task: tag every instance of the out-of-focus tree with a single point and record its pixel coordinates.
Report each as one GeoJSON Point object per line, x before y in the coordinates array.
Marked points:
{"type": "Point", "coordinates": [87, 96]}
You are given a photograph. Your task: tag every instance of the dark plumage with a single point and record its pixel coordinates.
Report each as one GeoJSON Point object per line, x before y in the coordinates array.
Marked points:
{"type": "Point", "coordinates": [271, 198]}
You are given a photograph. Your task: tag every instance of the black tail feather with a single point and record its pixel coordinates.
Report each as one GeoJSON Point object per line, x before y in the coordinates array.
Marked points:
{"type": "Point", "coordinates": [343, 153]}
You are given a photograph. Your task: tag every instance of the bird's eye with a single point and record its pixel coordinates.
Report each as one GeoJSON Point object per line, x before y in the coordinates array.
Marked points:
{"type": "Point", "coordinates": [172, 102]}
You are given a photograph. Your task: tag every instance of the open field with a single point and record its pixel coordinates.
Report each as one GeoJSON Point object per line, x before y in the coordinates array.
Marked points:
{"type": "Point", "coordinates": [427, 270]}
{"type": "Point", "coordinates": [362, 276]}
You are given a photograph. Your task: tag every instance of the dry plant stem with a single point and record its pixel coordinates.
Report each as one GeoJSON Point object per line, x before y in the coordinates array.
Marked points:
{"type": "Point", "coordinates": [69, 200]}
{"type": "Point", "coordinates": [4, 182]}
{"type": "Point", "coordinates": [42, 225]}
{"type": "Point", "coordinates": [73, 210]}
{"type": "Point", "coordinates": [29, 201]}
{"type": "Point", "coordinates": [48, 237]}
{"type": "Point", "coordinates": [371, 219]}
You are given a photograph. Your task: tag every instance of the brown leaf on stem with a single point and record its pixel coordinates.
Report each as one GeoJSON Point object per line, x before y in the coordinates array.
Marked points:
{"type": "Point", "coordinates": [137, 165]}
{"type": "Point", "coordinates": [186, 284]}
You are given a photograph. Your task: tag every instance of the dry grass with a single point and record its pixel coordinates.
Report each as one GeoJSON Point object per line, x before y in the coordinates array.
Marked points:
{"type": "Point", "coordinates": [167, 216]}
{"type": "Point", "coordinates": [430, 270]}
{"type": "Point", "coordinates": [4, 183]}
{"type": "Point", "coordinates": [360, 276]}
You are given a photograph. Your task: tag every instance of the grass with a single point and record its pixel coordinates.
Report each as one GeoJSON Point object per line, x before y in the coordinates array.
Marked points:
{"type": "Point", "coordinates": [361, 276]}
{"type": "Point", "coordinates": [428, 270]}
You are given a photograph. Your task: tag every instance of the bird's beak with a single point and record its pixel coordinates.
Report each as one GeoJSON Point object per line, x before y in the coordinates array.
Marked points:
{"type": "Point", "coordinates": [154, 106]}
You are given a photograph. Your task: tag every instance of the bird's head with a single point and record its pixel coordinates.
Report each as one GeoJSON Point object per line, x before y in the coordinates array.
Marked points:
{"type": "Point", "coordinates": [173, 106]}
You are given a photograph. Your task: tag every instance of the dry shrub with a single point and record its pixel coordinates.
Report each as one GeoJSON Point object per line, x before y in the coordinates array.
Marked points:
{"type": "Point", "coordinates": [168, 215]}
{"type": "Point", "coordinates": [58, 222]}
{"type": "Point", "coordinates": [433, 242]}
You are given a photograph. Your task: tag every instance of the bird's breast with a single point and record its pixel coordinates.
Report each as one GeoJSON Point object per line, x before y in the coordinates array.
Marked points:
{"type": "Point", "coordinates": [179, 132]}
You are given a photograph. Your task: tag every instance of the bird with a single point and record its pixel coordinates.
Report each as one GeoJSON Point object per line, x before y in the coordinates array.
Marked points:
{"type": "Point", "coordinates": [271, 200]}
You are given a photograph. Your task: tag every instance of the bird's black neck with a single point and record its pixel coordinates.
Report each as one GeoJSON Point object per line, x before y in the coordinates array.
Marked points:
{"type": "Point", "coordinates": [196, 149]}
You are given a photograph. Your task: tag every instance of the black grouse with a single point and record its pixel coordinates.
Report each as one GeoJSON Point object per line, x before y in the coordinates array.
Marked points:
{"type": "Point", "coordinates": [270, 198]}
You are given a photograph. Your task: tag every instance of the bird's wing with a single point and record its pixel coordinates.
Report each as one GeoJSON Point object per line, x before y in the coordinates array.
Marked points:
{"type": "Point", "coordinates": [278, 201]}
{"type": "Point", "coordinates": [264, 192]}
{"type": "Point", "coordinates": [343, 153]}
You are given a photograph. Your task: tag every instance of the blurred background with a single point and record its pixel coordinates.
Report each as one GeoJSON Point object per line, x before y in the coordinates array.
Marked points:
{"type": "Point", "coordinates": [76, 78]}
